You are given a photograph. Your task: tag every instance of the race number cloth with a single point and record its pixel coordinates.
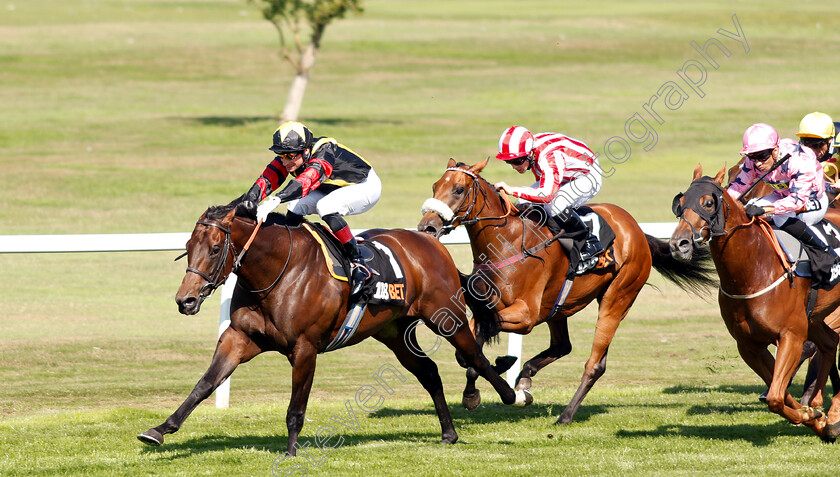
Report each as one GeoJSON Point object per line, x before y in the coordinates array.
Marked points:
{"type": "Point", "coordinates": [815, 264]}
{"type": "Point", "coordinates": [600, 228]}
{"type": "Point", "coordinates": [386, 286]}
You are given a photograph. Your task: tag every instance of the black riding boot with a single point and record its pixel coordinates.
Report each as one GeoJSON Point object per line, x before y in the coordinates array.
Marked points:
{"type": "Point", "coordinates": [359, 269]}
{"type": "Point", "coordinates": [575, 229]}
{"type": "Point", "coordinates": [824, 260]}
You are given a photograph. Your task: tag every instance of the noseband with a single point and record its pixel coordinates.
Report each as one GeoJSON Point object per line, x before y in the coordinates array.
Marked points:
{"type": "Point", "coordinates": [715, 220]}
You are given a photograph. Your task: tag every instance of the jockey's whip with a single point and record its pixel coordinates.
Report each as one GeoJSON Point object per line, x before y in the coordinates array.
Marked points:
{"type": "Point", "coordinates": [777, 164]}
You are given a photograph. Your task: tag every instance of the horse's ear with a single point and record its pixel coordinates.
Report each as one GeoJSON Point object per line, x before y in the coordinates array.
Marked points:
{"type": "Point", "coordinates": [480, 166]}
{"type": "Point", "coordinates": [698, 171]}
{"type": "Point", "coordinates": [451, 163]}
{"type": "Point", "coordinates": [720, 175]}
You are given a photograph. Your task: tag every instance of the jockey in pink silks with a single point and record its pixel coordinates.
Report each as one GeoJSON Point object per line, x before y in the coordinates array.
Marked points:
{"type": "Point", "coordinates": [799, 198]}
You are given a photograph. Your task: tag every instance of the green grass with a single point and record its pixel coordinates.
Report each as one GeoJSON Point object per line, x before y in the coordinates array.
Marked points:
{"type": "Point", "coordinates": [129, 116]}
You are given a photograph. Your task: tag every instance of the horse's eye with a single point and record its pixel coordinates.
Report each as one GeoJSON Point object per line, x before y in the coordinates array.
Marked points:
{"type": "Point", "coordinates": [459, 190]}
{"type": "Point", "coordinates": [708, 203]}
{"type": "Point", "coordinates": [215, 250]}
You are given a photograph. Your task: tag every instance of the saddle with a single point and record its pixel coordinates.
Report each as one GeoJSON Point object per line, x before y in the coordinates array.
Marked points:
{"type": "Point", "coordinates": [386, 286]}
{"type": "Point", "coordinates": [806, 264]}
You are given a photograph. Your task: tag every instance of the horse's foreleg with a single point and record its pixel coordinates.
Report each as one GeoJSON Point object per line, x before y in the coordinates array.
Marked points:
{"type": "Point", "coordinates": [233, 348]}
{"type": "Point", "coordinates": [787, 356]}
{"type": "Point", "coordinates": [613, 307]}
{"type": "Point", "coordinates": [472, 396]}
{"type": "Point", "coordinates": [464, 342]}
{"type": "Point", "coordinates": [560, 346]}
{"type": "Point", "coordinates": [302, 359]}
{"type": "Point", "coordinates": [426, 371]}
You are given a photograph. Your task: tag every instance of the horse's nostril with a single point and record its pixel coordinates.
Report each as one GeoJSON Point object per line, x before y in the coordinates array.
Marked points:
{"type": "Point", "coordinates": [187, 303]}
{"type": "Point", "coordinates": [430, 230]}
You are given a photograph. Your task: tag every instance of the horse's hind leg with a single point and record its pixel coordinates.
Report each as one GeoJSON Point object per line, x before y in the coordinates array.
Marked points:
{"type": "Point", "coordinates": [560, 346]}
{"type": "Point", "coordinates": [425, 370]}
{"type": "Point", "coordinates": [232, 349]}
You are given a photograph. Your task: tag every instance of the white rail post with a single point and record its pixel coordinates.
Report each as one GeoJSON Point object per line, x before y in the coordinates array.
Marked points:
{"type": "Point", "coordinates": [223, 391]}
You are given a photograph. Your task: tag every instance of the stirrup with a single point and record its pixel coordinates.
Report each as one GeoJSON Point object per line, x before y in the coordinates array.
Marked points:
{"type": "Point", "coordinates": [358, 282]}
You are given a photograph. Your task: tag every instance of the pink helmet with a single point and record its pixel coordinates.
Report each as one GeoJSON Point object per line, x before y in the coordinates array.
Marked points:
{"type": "Point", "coordinates": [515, 142]}
{"type": "Point", "coordinates": [759, 137]}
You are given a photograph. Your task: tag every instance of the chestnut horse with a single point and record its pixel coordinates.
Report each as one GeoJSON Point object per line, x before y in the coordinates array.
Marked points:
{"type": "Point", "coordinates": [759, 302]}
{"type": "Point", "coordinates": [763, 189]}
{"type": "Point", "coordinates": [526, 286]}
{"type": "Point", "coordinates": [287, 301]}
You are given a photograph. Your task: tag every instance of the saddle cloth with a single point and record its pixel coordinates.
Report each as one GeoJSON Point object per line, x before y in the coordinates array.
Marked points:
{"type": "Point", "coordinates": [797, 255]}
{"type": "Point", "coordinates": [600, 228]}
{"type": "Point", "coordinates": [386, 286]}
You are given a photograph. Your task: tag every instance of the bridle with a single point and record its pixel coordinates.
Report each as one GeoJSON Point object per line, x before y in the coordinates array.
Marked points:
{"type": "Point", "coordinates": [217, 277]}
{"type": "Point", "coordinates": [473, 191]}
{"type": "Point", "coordinates": [715, 220]}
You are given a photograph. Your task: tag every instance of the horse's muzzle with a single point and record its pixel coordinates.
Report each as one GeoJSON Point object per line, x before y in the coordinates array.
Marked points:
{"type": "Point", "coordinates": [189, 305]}
{"type": "Point", "coordinates": [681, 248]}
{"type": "Point", "coordinates": [432, 224]}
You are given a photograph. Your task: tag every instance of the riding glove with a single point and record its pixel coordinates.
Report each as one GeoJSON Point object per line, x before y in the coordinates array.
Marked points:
{"type": "Point", "coordinates": [753, 210]}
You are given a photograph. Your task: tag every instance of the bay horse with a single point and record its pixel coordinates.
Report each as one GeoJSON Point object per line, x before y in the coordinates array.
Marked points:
{"type": "Point", "coordinates": [287, 301]}
{"type": "Point", "coordinates": [526, 286]}
{"type": "Point", "coordinates": [760, 302]}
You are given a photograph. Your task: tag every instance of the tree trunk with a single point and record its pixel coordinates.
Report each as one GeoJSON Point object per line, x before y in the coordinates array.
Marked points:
{"type": "Point", "coordinates": [295, 99]}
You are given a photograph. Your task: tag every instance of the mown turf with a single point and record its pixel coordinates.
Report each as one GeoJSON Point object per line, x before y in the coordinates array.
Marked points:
{"type": "Point", "coordinates": [129, 116]}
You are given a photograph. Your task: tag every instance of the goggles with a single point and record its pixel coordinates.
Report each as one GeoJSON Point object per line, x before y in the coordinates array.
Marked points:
{"type": "Point", "coordinates": [760, 156]}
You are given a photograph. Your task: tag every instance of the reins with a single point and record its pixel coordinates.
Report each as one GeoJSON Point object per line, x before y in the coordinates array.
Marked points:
{"type": "Point", "coordinates": [509, 208]}
{"type": "Point", "coordinates": [763, 225]}
{"type": "Point", "coordinates": [218, 277]}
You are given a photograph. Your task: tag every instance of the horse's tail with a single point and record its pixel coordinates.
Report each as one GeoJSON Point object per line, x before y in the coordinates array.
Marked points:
{"type": "Point", "coordinates": [696, 276]}
{"type": "Point", "coordinates": [487, 324]}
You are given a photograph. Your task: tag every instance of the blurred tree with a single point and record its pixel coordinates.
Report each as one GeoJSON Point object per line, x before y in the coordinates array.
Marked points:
{"type": "Point", "coordinates": [287, 15]}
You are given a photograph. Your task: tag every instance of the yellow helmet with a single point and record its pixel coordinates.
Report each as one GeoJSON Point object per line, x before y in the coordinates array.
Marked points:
{"type": "Point", "coordinates": [816, 124]}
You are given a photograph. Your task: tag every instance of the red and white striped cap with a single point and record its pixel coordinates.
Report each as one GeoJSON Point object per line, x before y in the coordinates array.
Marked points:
{"type": "Point", "coordinates": [515, 142]}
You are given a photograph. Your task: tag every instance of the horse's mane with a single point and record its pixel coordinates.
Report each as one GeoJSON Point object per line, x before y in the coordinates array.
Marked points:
{"type": "Point", "coordinates": [217, 212]}
{"type": "Point", "coordinates": [525, 212]}
{"type": "Point", "coordinates": [516, 210]}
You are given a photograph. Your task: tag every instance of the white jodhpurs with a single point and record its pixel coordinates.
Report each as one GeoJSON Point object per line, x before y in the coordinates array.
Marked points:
{"type": "Point", "coordinates": [810, 218]}
{"type": "Point", "coordinates": [351, 199]}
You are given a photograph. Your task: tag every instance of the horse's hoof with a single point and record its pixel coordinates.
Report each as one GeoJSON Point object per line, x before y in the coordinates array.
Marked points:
{"type": "Point", "coordinates": [471, 401]}
{"type": "Point", "coordinates": [450, 438]}
{"type": "Point", "coordinates": [832, 431]}
{"type": "Point", "coordinates": [523, 384]}
{"type": "Point", "coordinates": [151, 437]}
{"type": "Point", "coordinates": [523, 398]}
{"type": "Point", "coordinates": [810, 413]}
{"type": "Point", "coordinates": [503, 363]}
